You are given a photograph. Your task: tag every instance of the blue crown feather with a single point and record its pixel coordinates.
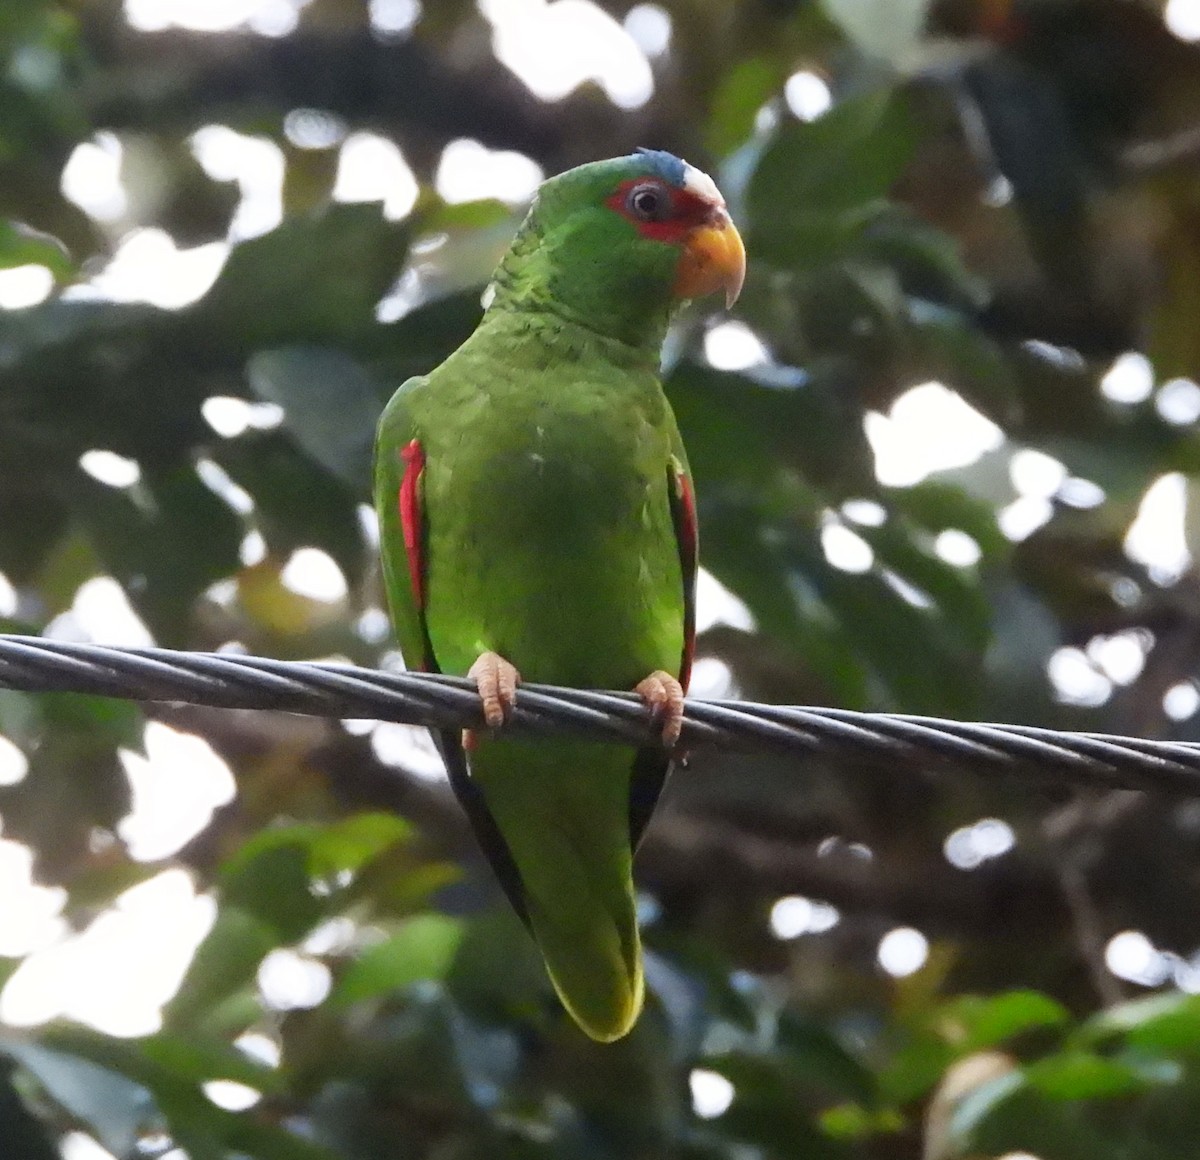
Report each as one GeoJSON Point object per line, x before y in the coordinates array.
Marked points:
{"type": "Point", "coordinates": [669, 167]}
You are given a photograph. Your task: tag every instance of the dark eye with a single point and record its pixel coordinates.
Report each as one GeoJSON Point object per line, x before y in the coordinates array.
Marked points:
{"type": "Point", "coordinates": [651, 203]}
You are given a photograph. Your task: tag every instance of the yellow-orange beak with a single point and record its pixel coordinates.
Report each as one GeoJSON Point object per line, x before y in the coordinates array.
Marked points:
{"type": "Point", "coordinates": [713, 258]}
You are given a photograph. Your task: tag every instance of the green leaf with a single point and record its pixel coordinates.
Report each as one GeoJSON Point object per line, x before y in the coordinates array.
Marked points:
{"type": "Point", "coordinates": [317, 278]}
{"type": "Point", "coordinates": [813, 1051]}
{"type": "Point", "coordinates": [98, 723]}
{"type": "Point", "coordinates": [922, 666]}
{"type": "Point", "coordinates": [770, 1108]}
{"type": "Point", "coordinates": [32, 521]}
{"type": "Point", "coordinates": [350, 844]}
{"type": "Point", "coordinates": [1162, 1023]}
{"type": "Point", "coordinates": [832, 173]}
{"type": "Point", "coordinates": [1080, 1075]}
{"type": "Point", "coordinates": [1134, 1013]}
{"type": "Point", "coordinates": [915, 1068]}
{"type": "Point", "coordinates": [75, 780]}
{"type": "Point", "coordinates": [950, 347]}
{"type": "Point", "coordinates": [275, 471]}
{"type": "Point", "coordinates": [274, 885]}
{"type": "Point", "coordinates": [935, 505]}
{"type": "Point", "coordinates": [964, 614]}
{"type": "Point", "coordinates": [888, 29]}
{"type": "Point", "coordinates": [21, 245]}
{"type": "Point", "coordinates": [1010, 1115]}
{"type": "Point", "coordinates": [928, 260]}
{"type": "Point", "coordinates": [331, 405]}
{"type": "Point", "coordinates": [853, 1122]}
{"type": "Point", "coordinates": [173, 1067]}
{"type": "Point", "coordinates": [198, 1058]}
{"type": "Point", "coordinates": [116, 1109]}
{"type": "Point", "coordinates": [165, 541]}
{"type": "Point", "coordinates": [225, 963]}
{"type": "Point", "coordinates": [482, 214]}
{"type": "Point", "coordinates": [977, 1023]}
{"type": "Point", "coordinates": [741, 92]}
{"type": "Point", "coordinates": [423, 948]}
{"type": "Point", "coordinates": [752, 555]}
{"type": "Point", "coordinates": [746, 442]}
{"type": "Point", "coordinates": [324, 850]}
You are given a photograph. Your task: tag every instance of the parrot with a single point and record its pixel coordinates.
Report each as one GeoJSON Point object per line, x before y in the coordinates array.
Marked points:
{"type": "Point", "coordinates": [538, 523]}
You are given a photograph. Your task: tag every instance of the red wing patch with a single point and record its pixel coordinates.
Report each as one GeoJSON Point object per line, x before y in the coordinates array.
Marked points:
{"type": "Point", "coordinates": [414, 526]}
{"type": "Point", "coordinates": [683, 514]}
{"type": "Point", "coordinates": [412, 522]}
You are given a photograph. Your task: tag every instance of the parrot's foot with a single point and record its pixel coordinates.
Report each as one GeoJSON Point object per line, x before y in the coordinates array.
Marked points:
{"type": "Point", "coordinates": [497, 681]}
{"type": "Point", "coordinates": [664, 695]}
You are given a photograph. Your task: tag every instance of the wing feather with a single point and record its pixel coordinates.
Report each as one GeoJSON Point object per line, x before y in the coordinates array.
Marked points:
{"type": "Point", "coordinates": [404, 535]}
{"type": "Point", "coordinates": [683, 516]}
{"type": "Point", "coordinates": [651, 765]}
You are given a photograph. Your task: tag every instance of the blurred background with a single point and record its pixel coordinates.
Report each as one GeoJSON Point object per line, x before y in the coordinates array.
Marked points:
{"type": "Point", "coordinates": [946, 454]}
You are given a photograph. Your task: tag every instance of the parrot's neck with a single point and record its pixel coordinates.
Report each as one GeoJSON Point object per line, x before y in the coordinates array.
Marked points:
{"type": "Point", "coordinates": [629, 317]}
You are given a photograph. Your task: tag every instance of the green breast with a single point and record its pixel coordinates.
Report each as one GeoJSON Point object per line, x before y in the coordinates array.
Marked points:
{"type": "Point", "coordinates": [550, 537]}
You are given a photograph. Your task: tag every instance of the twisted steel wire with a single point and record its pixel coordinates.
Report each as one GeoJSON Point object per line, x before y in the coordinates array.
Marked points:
{"type": "Point", "coordinates": [235, 681]}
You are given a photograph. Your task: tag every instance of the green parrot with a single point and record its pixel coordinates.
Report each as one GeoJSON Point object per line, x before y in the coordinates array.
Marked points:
{"type": "Point", "coordinates": [537, 522]}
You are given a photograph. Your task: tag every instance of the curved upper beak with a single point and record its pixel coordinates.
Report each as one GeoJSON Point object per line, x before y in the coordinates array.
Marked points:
{"type": "Point", "coordinates": [713, 258]}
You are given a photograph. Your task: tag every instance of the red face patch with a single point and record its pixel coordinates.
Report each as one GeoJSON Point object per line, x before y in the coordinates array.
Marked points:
{"type": "Point", "coordinates": [660, 211]}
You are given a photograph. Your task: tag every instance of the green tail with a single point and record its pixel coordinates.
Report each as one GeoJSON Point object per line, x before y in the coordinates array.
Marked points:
{"type": "Point", "coordinates": [563, 811]}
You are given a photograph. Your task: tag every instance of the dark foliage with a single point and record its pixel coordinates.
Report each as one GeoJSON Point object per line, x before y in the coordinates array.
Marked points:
{"type": "Point", "coordinates": [1002, 198]}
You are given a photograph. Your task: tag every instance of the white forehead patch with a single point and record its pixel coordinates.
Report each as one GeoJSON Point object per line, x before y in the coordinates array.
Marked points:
{"type": "Point", "coordinates": [698, 182]}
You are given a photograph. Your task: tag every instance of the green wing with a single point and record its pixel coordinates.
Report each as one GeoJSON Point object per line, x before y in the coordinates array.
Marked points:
{"type": "Point", "coordinates": [403, 531]}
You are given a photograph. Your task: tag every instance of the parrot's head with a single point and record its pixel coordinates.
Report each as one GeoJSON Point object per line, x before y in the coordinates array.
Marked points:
{"type": "Point", "coordinates": [619, 244]}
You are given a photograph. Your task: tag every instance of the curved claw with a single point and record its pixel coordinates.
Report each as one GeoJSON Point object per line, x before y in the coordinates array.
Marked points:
{"type": "Point", "coordinates": [664, 696]}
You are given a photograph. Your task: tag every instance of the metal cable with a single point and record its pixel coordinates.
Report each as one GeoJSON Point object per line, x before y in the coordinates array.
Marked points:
{"type": "Point", "coordinates": [234, 681]}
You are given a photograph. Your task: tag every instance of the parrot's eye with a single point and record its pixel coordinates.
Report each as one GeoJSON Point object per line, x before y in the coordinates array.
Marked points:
{"type": "Point", "coordinates": [651, 203]}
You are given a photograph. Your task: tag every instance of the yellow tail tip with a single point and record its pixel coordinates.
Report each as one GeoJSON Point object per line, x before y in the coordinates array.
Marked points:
{"type": "Point", "coordinates": [606, 1017]}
